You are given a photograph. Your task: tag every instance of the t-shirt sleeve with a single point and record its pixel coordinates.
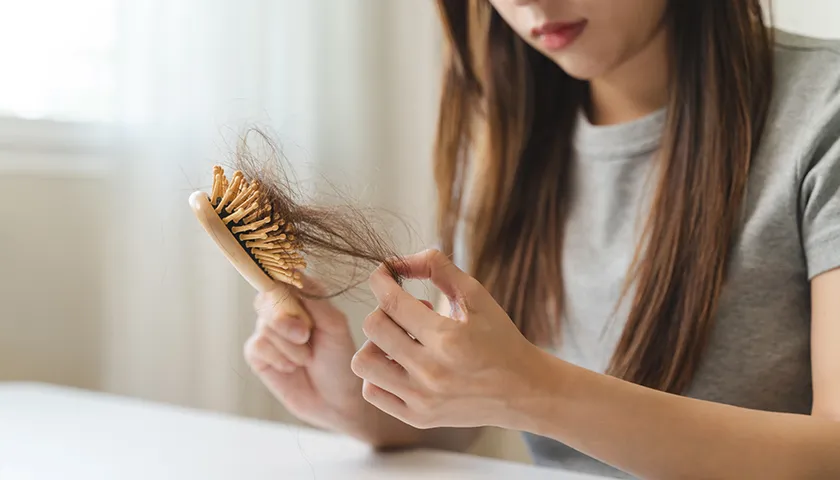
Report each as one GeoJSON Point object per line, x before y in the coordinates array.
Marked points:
{"type": "Point", "coordinates": [820, 200]}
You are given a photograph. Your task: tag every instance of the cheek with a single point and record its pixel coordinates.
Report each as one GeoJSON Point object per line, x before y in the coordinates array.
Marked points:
{"type": "Point", "coordinates": [596, 52]}
{"type": "Point", "coordinates": [614, 35]}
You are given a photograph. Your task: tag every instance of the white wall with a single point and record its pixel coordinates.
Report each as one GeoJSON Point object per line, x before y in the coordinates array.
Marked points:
{"type": "Point", "coordinates": [813, 17]}
{"type": "Point", "coordinates": [51, 284]}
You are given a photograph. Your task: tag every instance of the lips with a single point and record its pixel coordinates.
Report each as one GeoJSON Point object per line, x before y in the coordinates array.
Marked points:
{"type": "Point", "coordinates": [556, 35]}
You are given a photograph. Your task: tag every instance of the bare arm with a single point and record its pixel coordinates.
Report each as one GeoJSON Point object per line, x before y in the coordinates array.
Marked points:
{"type": "Point", "coordinates": [825, 346]}
{"type": "Point", "coordinates": [653, 434]}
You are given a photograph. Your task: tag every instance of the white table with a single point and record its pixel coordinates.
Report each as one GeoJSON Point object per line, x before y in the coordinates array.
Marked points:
{"type": "Point", "coordinates": [48, 432]}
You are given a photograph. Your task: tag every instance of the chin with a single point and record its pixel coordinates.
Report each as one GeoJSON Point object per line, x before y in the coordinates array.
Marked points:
{"type": "Point", "coordinates": [579, 61]}
{"type": "Point", "coordinates": [581, 68]}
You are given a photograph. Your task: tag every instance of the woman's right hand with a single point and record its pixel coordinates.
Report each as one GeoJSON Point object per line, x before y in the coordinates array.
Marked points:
{"type": "Point", "coordinates": [307, 367]}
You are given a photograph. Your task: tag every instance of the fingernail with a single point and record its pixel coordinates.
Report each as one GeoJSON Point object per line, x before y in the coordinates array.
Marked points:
{"type": "Point", "coordinates": [298, 334]}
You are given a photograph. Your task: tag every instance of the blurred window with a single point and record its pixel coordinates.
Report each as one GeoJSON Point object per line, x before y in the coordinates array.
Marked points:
{"type": "Point", "coordinates": [57, 60]}
{"type": "Point", "coordinates": [57, 84]}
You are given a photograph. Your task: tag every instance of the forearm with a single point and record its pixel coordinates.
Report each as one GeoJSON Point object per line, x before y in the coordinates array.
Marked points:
{"type": "Point", "coordinates": [652, 434]}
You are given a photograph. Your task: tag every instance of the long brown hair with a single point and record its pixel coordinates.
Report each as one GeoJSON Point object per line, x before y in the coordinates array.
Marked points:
{"type": "Point", "coordinates": [507, 114]}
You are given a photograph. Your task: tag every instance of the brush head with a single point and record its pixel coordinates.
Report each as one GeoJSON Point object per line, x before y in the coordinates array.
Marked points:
{"type": "Point", "coordinates": [245, 209]}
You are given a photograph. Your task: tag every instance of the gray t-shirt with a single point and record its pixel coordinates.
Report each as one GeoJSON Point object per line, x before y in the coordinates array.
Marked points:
{"type": "Point", "coordinates": [758, 356]}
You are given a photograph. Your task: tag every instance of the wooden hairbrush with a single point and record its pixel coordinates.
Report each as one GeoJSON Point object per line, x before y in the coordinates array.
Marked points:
{"type": "Point", "coordinates": [261, 245]}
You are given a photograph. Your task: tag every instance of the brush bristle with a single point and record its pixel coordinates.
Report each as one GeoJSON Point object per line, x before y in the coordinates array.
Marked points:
{"type": "Point", "coordinates": [246, 210]}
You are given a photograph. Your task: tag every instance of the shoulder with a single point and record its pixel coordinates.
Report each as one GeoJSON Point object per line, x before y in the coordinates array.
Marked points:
{"type": "Point", "coordinates": [791, 41]}
{"type": "Point", "coordinates": [807, 72]}
{"type": "Point", "coordinates": [805, 117]}
{"type": "Point", "coordinates": [805, 127]}
{"type": "Point", "coordinates": [798, 56]}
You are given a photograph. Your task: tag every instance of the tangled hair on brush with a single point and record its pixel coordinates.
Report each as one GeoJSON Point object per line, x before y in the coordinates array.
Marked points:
{"type": "Point", "coordinates": [340, 242]}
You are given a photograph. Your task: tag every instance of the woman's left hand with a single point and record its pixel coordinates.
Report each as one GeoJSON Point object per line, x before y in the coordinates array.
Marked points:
{"type": "Point", "coordinates": [461, 371]}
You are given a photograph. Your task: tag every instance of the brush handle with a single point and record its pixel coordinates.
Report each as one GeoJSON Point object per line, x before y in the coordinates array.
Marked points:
{"type": "Point", "coordinates": [217, 230]}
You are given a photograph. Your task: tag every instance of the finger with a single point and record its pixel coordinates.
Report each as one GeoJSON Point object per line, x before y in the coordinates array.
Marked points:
{"type": "Point", "coordinates": [285, 299]}
{"type": "Point", "coordinates": [285, 331]}
{"type": "Point", "coordinates": [273, 310]}
{"type": "Point", "coordinates": [314, 298]}
{"type": "Point", "coordinates": [384, 400]}
{"type": "Point", "coordinates": [294, 390]}
{"type": "Point", "coordinates": [296, 353]}
{"type": "Point", "coordinates": [403, 308]}
{"type": "Point", "coordinates": [391, 339]}
{"type": "Point", "coordinates": [291, 328]}
{"type": "Point", "coordinates": [261, 354]}
{"type": "Point", "coordinates": [326, 316]}
{"type": "Point", "coordinates": [371, 363]}
{"type": "Point", "coordinates": [434, 265]}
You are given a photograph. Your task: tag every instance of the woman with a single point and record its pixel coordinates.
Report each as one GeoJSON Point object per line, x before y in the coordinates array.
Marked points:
{"type": "Point", "coordinates": [641, 196]}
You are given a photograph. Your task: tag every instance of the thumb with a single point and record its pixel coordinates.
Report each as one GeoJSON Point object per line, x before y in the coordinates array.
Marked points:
{"type": "Point", "coordinates": [325, 315]}
{"type": "Point", "coordinates": [434, 265]}
{"type": "Point", "coordinates": [284, 298]}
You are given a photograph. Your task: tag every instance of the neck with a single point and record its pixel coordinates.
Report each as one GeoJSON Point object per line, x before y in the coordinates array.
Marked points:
{"type": "Point", "coordinates": [638, 87]}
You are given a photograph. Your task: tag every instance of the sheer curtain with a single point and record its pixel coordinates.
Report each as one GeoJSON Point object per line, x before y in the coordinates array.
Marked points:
{"type": "Point", "coordinates": [348, 88]}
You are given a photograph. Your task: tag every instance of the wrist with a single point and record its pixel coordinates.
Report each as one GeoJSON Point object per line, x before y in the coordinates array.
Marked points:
{"type": "Point", "coordinates": [542, 396]}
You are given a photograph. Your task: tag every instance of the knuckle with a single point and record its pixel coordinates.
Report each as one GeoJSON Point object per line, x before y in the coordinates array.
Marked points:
{"type": "Point", "coordinates": [373, 322]}
{"type": "Point", "coordinates": [389, 302]}
{"type": "Point", "coordinates": [370, 392]}
{"type": "Point", "coordinates": [283, 324]}
{"type": "Point", "coordinates": [437, 258]}
{"type": "Point", "coordinates": [304, 354]}
{"type": "Point", "coordinates": [262, 331]}
{"type": "Point", "coordinates": [261, 344]}
{"type": "Point", "coordinates": [265, 307]}
{"type": "Point", "coordinates": [286, 366]}
{"type": "Point", "coordinates": [248, 352]}
{"type": "Point", "coordinates": [472, 287]}
{"type": "Point", "coordinates": [287, 326]}
{"type": "Point", "coordinates": [276, 318]}
{"type": "Point", "coordinates": [357, 366]}
{"type": "Point", "coordinates": [413, 395]}
{"type": "Point", "coordinates": [369, 323]}
{"type": "Point", "coordinates": [294, 355]}
{"type": "Point", "coordinates": [251, 350]}
{"type": "Point", "coordinates": [361, 362]}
